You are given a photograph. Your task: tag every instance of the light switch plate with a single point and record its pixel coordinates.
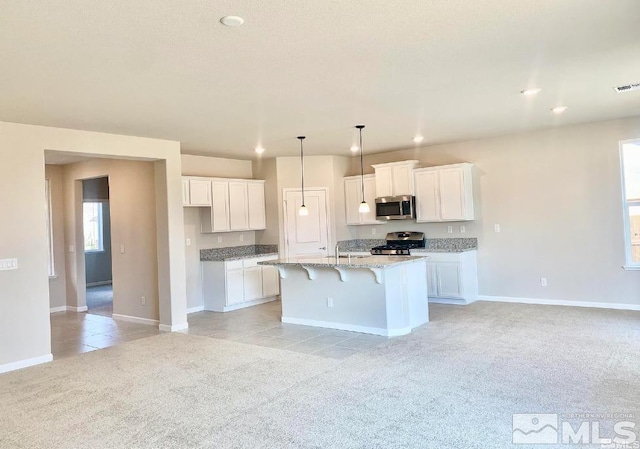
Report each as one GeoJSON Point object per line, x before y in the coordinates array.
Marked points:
{"type": "Point", "coordinates": [463, 229]}
{"type": "Point", "coordinates": [450, 229]}
{"type": "Point", "coordinates": [496, 227]}
{"type": "Point", "coordinates": [122, 249]}
{"type": "Point", "coordinates": [8, 264]}
{"type": "Point", "coordinates": [188, 242]}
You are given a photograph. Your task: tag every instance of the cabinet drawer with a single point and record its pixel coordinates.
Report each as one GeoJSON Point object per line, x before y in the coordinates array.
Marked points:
{"type": "Point", "coordinates": [440, 257]}
{"type": "Point", "coordinates": [233, 264]}
{"type": "Point", "coordinates": [253, 261]}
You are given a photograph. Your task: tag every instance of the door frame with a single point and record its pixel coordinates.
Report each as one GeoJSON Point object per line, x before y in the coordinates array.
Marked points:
{"type": "Point", "coordinates": [286, 220]}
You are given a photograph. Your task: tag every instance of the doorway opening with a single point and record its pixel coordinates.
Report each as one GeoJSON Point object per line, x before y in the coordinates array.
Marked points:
{"type": "Point", "coordinates": [96, 225]}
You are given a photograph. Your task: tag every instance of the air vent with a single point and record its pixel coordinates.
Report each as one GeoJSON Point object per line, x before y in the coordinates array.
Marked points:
{"type": "Point", "coordinates": [627, 88]}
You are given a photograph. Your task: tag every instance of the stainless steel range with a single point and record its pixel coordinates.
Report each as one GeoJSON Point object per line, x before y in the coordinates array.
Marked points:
{"type": "Point", "coordinates": [400, 244]}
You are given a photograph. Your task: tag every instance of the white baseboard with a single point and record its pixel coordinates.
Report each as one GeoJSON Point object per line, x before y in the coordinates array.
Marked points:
{"type": "Point", "coordinates": [77, 309]}
{"type": "Point", "coordinates": [242, 305]}
{"type": "Point", "coordinates": [195, 309]}
{"type": "Point", "coordinates": [98, 284]}
{"type": "Point", "coordinates": [25, 363]}
{"type": "Point", "coordinates": [173, 327]}
{"type": "Point", "coordinates": [58, 309]}
{"type": "Point", "coordinates": [348, 327]}
{"type": "Point", "coordinates": [560, 302]}
{"type": "Point", "coordinates": [134, 319]}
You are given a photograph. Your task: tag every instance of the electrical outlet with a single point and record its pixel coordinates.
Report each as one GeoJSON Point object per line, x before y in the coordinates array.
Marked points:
{"type": "Point", "coordinates": [329, 302]}
{"type": "Point", "coordinates": [143, 300]}
{"type": "Point", "coordinates": [463, 229]}
{"type": "Point", "coordinates": [188, 242]}
{"type": "Point", "coordinates": [496, 228]}
{"type": "Point", "coordinates": [242, 237]}
{"type": "Point", "coordinates": [373, 231]}
{"type": "Point", "coordinates": [450, 229]}
{"type": "Point", "coordinates": [122, 249]}
{"type": "Point", "coordinates": [72, 249]}
{"type": "Point", "coordinates": [543, 282]}
{"type": "Point", "coordinates": [220, 239]}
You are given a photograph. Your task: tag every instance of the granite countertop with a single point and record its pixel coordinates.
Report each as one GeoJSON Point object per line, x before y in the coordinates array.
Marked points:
{"type": "Point", "coordinates": [237, 252]}
{"type": "Point", "coordinates": [443, 245]}
{"type": "Point", "coordinates": [355, 262]}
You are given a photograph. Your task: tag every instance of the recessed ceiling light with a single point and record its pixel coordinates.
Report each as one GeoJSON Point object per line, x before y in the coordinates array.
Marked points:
{"type": "Point", "coordinates": [418, 139]}
{"type": "Point", "coordinates": [559, 109]}
{"type": "Point", "coordinates": [260, 150]}
{"type": "Point", "coordinates": [232, 21]}
{"type": "Point", "coordinates": [355, 148]}
{"type": "Point", "coordinates": [530, 91]}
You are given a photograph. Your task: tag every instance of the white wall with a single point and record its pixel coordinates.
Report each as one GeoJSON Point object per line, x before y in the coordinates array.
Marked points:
{"type": "Point", "coordinates": [556, 194]}
{"type": "Point", "coordinates": [24, 293]}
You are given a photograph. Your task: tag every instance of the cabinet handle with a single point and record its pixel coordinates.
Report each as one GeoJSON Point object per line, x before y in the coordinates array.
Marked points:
{"type": "Point", "coordinates": [324, 248]}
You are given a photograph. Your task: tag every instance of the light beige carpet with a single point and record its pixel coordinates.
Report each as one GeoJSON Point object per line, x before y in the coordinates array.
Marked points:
{"type": "Point", "coordinates": [455, 383]}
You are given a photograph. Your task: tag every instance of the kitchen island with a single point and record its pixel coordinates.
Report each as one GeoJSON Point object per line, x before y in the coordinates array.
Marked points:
{"type": "Point", "coordinates": [381, 295]}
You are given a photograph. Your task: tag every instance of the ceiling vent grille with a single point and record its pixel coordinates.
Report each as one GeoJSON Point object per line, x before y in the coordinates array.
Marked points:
{"type": "Point", "coordinates": [627, 88]}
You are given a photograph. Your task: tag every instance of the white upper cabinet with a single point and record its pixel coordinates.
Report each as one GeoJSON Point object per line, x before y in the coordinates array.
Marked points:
{"type": "Point", "coordinates": [353, 198]}
{"type": "Point", "coordinates": [255, 197]}
{"type": "Point", "coordinates": [395, 178]}
{"type": "Point", "coordinates": [233, 204]}
{"type": "Point", "coordinates": [196, 192]}
{"type": "Point", "coordinates": [238, 206]}
{"type": "Point", "coordinates": [444, 193]}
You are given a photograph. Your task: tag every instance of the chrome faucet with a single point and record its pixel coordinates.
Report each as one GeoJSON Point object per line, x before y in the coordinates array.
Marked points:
{"type": "Point", "coordinates": [337, 251]}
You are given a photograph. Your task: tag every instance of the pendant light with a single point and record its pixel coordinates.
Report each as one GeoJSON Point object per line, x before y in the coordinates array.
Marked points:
{"type": "Point", "coordinates": [364, 207]}
{"type": "Point", "coordinates": [303, 211]}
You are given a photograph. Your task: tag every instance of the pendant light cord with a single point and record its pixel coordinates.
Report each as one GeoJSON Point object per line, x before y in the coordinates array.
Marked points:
{"type": "Point", "coordinates": [361, 162]}
{"type": "Point", "coordinates": [302, 165]}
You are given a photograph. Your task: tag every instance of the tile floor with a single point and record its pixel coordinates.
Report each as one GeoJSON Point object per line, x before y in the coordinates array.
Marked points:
{"type": "Point", "coordinates": [75, 333]}
{"type": "Point", "coordinates": [261, 326]}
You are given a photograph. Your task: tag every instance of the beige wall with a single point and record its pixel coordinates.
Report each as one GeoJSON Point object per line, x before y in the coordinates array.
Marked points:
{"type": "Point", "coordinates": [556, 194]}
{"type": "Point", "coordinates": [24, 293]}
{"type": "Point", "coordinates": [267, 169]}
{"type": "Point", "coordinates": [133, 224]}
{"type": "Point", "coordinates": [209, 167]}
{"type": "Point", "coordinates": [58, 283]}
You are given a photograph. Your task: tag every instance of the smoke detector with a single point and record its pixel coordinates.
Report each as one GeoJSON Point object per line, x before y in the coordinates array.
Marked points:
{"type": "Point", "coordinates": [627, 88]}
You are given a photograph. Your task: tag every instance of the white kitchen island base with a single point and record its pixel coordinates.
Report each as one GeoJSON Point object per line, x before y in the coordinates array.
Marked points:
{"type": "Point", "coordinates": [378, 295]}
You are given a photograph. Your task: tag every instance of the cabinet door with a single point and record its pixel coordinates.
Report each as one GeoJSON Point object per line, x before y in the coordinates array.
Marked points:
{"type": "Point", "coordinates": [270, 281]}
{"type": "Point", "coordinates": [252, 283]}
{"type": "Point", "coordinates": [238, 206]}
{"type": "Point", "coordinates": [427, 201]}
{"type": "Point", "coordinates": [255, 195]}
{"type": "Point", "coordinates": [451, 186]}
{"type": "Point", "coordinates": [449, 278]}
{"type": "Point", "coordinates": [402, 180]}
{"type": "Point", "coordinates": [432, 286]}
{"type": "Point", "coordinates": [220, 206]}
{"type": "Point", "coordinates": [235, 286]}
{"type": "Point", "coordinates": [185, 192]}
{"type": "Point", "coordinates": [370, 198]}
{"type": "Point", "coordinates": [384, 181]}
{"type": "Point", "coordinates": [352, 200]}
{"type": "Point", "coordinates": [199, 192]}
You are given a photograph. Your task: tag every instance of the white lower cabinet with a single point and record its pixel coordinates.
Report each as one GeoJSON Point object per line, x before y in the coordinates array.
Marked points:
{"type": "Point", "coordinates": [239, 283]}
{"type": "Point", "coordinates": [452, 277]}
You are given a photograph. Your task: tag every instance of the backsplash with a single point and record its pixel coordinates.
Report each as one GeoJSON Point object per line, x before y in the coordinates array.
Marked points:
{"type": "Point", "coordinates": [360, 244]}
{"type": "Point", "coordinates": [216, 254]}
{"type": "Point", "coordinates": [452, 243]}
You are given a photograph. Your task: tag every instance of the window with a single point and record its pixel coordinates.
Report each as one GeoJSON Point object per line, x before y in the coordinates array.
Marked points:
{"type": "Point", "coordinates": [47, 202]}
{"type": "Point", "coordinates": [631, 197]}
{"type": "Point", "coordinates": [92, 220]}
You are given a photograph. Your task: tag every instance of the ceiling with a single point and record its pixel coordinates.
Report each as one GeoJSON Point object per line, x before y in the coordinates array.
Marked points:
{"type": "Point", "coordinates": [447, 69]}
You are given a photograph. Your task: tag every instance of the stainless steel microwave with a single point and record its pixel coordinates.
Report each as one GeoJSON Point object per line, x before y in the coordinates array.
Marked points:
{"type": "Point", "coordinates": [395, 207]}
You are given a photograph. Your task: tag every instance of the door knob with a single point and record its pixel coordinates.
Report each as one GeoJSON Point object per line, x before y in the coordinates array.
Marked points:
{"type": "Point", "coordinates": [324, 248]}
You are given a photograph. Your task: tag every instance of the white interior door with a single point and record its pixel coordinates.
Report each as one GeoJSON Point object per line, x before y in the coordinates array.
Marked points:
{"type": "Point", "coordinates": [306, 235]}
